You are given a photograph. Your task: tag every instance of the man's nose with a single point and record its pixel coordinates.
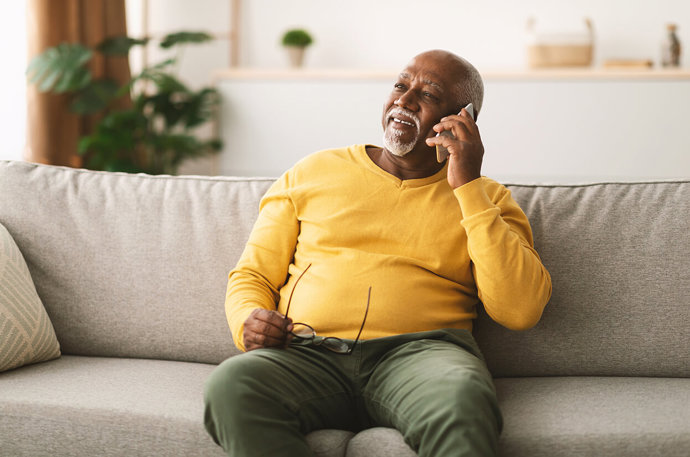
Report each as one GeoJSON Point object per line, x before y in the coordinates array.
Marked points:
{"type": "Point", "coordinates": [407, 101]}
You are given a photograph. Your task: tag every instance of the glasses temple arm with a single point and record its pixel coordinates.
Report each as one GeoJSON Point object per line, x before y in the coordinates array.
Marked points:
{"type": "Point", "coordinates": [365, 316]}
{"type": "Point", "coordinates": [287, 310]}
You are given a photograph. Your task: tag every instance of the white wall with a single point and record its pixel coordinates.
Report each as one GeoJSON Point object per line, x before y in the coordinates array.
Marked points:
{"type": "Point", "coordinates": [381, 34]}
{"type": "Point", "coordinates": [586, 130]}
{"type": "Point", "coordinates": [197, 62]}
{"type": "Point", "coordinates": [384, 34]}
{"type": "Point", "coordinates": [534, 130]}
{"type": "Point", "coordinates": [490, 33]}
{"type": "Point", "coordinates": [12, 80]}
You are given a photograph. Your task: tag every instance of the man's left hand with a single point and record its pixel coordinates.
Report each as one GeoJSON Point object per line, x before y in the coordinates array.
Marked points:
{"type": "Point", "coordinates": [466, 149]}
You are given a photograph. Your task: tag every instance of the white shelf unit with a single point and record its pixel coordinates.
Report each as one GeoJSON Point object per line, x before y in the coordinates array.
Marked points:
{"type": "Point", "coordinates": [543, 125]}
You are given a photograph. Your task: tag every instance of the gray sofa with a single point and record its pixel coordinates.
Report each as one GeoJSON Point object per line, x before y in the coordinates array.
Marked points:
{"type": "Point", "coordinates": [132, 270]}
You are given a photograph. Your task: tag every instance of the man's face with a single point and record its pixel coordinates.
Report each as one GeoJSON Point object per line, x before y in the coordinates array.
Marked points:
{"type": "Point", "coordinates": [424, 92]}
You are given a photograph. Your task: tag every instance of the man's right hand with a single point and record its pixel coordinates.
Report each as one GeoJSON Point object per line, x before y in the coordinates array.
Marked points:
{"type": "Point", "coordinates": [266, 328]}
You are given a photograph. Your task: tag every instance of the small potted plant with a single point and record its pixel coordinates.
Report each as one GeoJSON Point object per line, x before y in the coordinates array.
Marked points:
{"type": "Point", "coordinates": [296, 41]}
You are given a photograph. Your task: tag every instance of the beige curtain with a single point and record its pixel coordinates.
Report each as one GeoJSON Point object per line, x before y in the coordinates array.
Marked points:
{"type": "Point", "coordinates": [52, 130]}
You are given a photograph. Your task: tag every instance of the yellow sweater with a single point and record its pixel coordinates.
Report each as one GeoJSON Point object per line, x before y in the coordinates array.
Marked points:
{"type": "Point", "coordinates": [428, 252]}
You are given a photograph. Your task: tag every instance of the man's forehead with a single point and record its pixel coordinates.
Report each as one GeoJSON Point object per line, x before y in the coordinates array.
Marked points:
{"type": "Point", "coordinates": [427, 77]}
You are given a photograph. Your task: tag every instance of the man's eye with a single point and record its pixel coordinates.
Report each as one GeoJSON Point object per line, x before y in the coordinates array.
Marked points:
{"type": "Point", "coordinates": [430, 96]}
{"type": "Point", "coordinates": [399, 86]}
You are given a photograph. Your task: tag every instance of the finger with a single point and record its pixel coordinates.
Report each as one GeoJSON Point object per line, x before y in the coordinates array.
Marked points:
{"type": "Point", "coordinates": [263, 340]}
{"type": "Point", "coordinates": [442, 140]}
{"type": "Point", "coordinates": [272, 318]}
{"type": "Point", "coordinates": [266, 330]}
{"type": "Point", "coordinates": [463, 117]}
{"type": "Point", "coordinates": [455, 125]}
{"type": "Point", "coordinates": [250, 346]}
{"type": "Point", "coordinates": [253, 339]}
{"type": "Point", "coordinates": [439, 139]}
{"type": "Point", "coordinates": [434, 140]}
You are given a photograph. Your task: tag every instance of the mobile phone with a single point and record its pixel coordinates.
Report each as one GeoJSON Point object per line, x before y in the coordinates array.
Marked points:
{"type": "Point", "coordinates": [442, 152]}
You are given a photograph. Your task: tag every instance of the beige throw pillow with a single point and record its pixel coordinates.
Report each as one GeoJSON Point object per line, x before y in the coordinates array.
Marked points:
{"type": "Point", "coordinates": [26, 333]}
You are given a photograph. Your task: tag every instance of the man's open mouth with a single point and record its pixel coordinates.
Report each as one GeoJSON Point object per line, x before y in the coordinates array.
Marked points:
{"type": "Point", "coordinates": [402, 121]}
{"type": "Point", "coordinates": [400, 118]}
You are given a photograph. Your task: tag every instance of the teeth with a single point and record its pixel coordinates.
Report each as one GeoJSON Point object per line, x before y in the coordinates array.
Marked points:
{"type": "Point", "coordinates": [402, 122]}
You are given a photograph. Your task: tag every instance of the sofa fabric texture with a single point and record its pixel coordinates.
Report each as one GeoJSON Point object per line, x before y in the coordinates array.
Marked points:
{"type": "Point", "coordinates": [96, 406]}
{"type": "Point", "coordinates": [132, 271]}
{"type": "Point", "coordinates": [131, 265]}
{"type": "Point", "coordinates": [26, 333]}
{"type": "Point", "coordinates": [619, 258]}
{"type": "Point", "coordinates": [594, 416]}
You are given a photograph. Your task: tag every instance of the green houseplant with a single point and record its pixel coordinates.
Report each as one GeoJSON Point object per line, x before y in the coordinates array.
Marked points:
{"type": "Point", "coordinates": [158, 132]}
{"type": "Point", "coordinates": [296, 41]}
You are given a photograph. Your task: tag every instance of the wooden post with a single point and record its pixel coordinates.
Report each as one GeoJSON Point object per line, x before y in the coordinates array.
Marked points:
{"type": "Point", "coordinates": [234, 33]}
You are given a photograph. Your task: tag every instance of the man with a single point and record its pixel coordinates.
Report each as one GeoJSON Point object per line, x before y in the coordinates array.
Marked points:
{"type": "Point", "coordinates": [383, 252]}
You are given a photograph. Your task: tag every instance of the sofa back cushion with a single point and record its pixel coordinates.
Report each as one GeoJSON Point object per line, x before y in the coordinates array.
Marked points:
{"type": "Point", "coordinates": [136, 266]}
{"type": "Point", "coordinates": [131, 265]}
{"type": "Point", "coordinates": [619, 258]}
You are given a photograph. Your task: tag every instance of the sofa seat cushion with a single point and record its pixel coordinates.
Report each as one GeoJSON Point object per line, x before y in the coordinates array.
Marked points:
{"type": "Point", "coordinates": [88, 406]}
{"type": "Point", "coordinates": [112, 407]}
{"type": "Point", "coordinates": [575, 416]}
{"type": "Point", "coordinates": [105, 407]}
{"type": "Point", "coordinates": [380, 442]}
{"type": "Point", "coordinates": [595, 416]}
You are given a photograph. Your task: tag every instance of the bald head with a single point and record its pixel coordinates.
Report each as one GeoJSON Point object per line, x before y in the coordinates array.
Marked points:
{"type": "Point", "coordinates": [468, 86]}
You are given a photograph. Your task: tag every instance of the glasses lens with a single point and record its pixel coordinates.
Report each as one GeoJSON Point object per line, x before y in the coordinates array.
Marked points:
{"type": "Point", "coordinates": [336, 345]}
{"type": "Point", "coordinates": [303, 331]}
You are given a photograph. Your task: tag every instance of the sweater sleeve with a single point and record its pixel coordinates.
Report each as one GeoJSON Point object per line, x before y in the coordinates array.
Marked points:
{"type": "Point", "coordinates": [511, 281]}
{"type": "Point", "coordinates": [263, 267]}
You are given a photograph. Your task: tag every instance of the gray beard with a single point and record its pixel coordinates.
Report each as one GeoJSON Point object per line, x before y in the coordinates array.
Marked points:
{"type": "Point", "coordinates": [396, 147]}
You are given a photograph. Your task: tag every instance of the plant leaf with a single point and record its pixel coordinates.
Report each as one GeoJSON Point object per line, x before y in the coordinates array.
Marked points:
{"type": "Point", "coordinates": [119, 45]}
{"type": "Point", "coordinates": [113, 145]}
{"type": "Point", "coordinates": [146, 74]}
{"type": "Point", "coordinates": [95, 97]}
{"type": "Point", "coordinates": [200, 107]}
{"type": "Point", "coordinates": [166, 82]}
{"type": "Point", "coordinates": [61, 68]}
{"type": "Point", "coordinates": [297, 37]}
{"type": "Point", "coordinates": [162, 65]}
{"type": "Point", "coordinates": [184, 38]}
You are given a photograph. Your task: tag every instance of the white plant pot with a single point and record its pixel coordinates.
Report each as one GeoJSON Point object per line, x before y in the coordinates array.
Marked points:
{"type": "Point", "coordinates": [296, 55]}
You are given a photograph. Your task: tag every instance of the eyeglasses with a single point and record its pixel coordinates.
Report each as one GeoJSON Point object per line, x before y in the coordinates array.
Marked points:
{"type": "Point", "coordinates": [306, 332]}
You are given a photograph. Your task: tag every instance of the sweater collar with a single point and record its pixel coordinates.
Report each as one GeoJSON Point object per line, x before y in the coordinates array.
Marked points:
{"type": "Point", "coordinates": [360, 153]}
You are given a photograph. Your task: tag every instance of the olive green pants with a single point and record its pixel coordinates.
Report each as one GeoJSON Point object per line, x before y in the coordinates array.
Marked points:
{"type": "Point", "coordinates": [431, 386]}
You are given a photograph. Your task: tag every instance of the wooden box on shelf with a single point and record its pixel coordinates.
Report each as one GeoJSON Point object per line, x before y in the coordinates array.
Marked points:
{"type": "Point", "coordinates": [562, 49]}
